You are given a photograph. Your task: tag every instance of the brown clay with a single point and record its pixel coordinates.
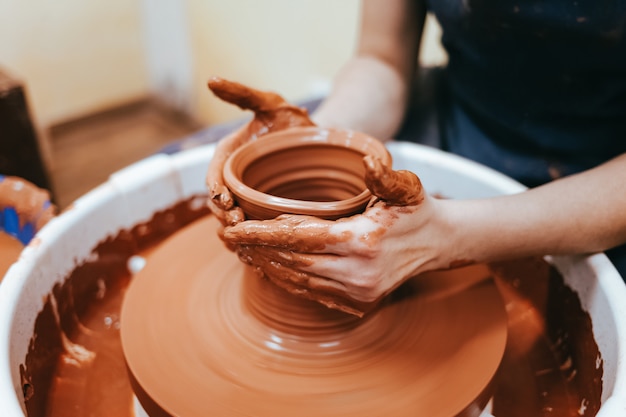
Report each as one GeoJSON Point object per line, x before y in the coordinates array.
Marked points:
{"type": "Point", "coordinates": [201, 336]}
{"type": "Point", "coordinates": [306, 170]}
{"type": "Point", "coordinates": [396, 188]}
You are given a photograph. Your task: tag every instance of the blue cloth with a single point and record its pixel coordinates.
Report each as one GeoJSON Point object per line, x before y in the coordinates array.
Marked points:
{"type": "Point", "coordinates": [536, 89]}
{"type": "Point", "coordinates": [10, 222]}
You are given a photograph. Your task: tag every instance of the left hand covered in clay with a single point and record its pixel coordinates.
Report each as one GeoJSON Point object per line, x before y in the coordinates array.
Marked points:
{"type": "Point", "coordinates": [271, 113]}
{"type": "Point", "coordinates": [364, 256]}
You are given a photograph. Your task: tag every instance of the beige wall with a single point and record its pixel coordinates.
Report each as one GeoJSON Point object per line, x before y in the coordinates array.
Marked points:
{"type": "Point", "coordinates": [291, 47]}
{"type": "Point", "coordinates": [80, 56]}
{"type": "Point", "coordinates": [75, 56]}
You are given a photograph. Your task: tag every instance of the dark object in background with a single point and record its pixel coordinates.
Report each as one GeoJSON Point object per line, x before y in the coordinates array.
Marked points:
{"type": "Point", "coordinates": [20, 154]}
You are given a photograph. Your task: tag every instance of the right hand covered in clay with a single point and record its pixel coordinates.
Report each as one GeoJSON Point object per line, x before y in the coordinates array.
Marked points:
{"type": "Point", "coordinates": [271, 113]}
{"type": "Point", "coordinates": [363, 257]}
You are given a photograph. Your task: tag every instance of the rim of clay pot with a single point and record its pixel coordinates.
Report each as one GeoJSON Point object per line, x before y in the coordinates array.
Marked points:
{"type": "Point", "coordinates": [291, 139]}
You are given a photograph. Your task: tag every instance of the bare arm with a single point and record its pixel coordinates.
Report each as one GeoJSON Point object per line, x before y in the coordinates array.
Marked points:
{"type": "Point", "coordinates": [370, 93]}
{"type": "Point", "coordinates": [370, 254]}
{"type": "Point", "coordinates": [583, 213]}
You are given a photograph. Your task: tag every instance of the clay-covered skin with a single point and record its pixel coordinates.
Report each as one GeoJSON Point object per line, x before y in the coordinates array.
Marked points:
{"type": "Point", "coordinates": [271, 113]}
{"type": "Point", "coordinates": [396, 188]}
{"type": "Point", "coordinates": [288, 269]}
{"type": "Point", "coordinates": [305, 250]}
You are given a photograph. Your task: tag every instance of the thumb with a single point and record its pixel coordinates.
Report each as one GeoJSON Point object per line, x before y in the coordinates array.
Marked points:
{"type": "Point", "coordinates": [396, 188]}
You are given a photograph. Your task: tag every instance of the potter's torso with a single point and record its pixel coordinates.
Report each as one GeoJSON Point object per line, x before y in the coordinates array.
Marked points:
{"type": "Point", "coordinates": [537, 89]}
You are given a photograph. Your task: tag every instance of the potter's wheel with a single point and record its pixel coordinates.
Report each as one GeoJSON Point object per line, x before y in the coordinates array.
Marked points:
{"type": "Point", "coordinates": [201, 335]}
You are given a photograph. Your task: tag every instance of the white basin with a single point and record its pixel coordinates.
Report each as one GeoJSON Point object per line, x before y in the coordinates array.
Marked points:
{"type": "Point", "coordinates": [132, 195]}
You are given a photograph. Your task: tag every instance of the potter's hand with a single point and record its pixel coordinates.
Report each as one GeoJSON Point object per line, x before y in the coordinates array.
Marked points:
{"type": "Point", "coordinates": [364, 256]}
{"type": "Point", "coordinates": [271, 113]}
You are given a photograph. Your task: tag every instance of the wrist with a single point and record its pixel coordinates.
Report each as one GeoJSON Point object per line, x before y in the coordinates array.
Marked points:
{"type": "Point", "coordinates": [468, 239]}
{"type": "Point", "coordinates": [442, 242]}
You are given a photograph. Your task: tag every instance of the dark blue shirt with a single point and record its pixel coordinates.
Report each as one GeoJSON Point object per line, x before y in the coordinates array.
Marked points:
{"type": "Point", "coordinates": [537, 89]}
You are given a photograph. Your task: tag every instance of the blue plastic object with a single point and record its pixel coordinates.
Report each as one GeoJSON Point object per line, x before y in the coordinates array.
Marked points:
{"type": "Point", "coordinates": [10, 221]}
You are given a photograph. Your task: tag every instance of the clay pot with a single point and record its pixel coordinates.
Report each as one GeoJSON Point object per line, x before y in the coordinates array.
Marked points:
{"type": "Point", "coordinates": [308, 170]}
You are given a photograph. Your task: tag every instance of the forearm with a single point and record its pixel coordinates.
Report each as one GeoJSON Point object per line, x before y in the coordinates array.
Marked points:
{"type": "Point", "coordinates": [584, 213]}
{"type": "Point", "coordinates": [369, 96]}
{"type": "Point", "coordinates": [371, 92]}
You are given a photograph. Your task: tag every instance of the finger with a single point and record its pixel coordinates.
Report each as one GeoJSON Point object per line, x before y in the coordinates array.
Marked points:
{"type": "Point", "coordinates": [298, 233]}
{"type": "Point", "coordinates": [219, 194]}
{"type": "Point", "coordinates": [253, 256]}
{"type": "Point", "coordinates": [217, 211]}
{"type": "Point", "coordinates": [330, 266]}
{"type": "Point", "coordinates": [271, 111]}
{"type": "Point", "coordinates": [396, 188]}
{"type": "Point", "coordinates": [329, 273]}
{"type": "Point", "coordinates": [330, 293]}
{"type": "Point", "coordinates": [245, 97]}
{"type": "Point", "coordinates": [234, 216]}
{"type": "Point", "coordinates": [335, 302]}
{"type": "Point", "coordinates": [226, 217]}
{"type": "Point", "coordinates": [282, 256]}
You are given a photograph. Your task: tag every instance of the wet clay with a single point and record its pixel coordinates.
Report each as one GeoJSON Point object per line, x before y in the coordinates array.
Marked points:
{"type": "Point", "coordinates": [202, 335]}
{"type": "Point", "coordinates": [10, 249]}
{"type": "Point", "coordinates": [551, 367]}
{"type": "Point", "coordinates": [551, 364]}
{"type": "Point", "coordinates": [396, 188]}
{"type": "Point", "coordinates": [31, 203]}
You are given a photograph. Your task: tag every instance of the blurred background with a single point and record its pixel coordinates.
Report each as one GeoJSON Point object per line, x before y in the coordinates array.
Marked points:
{"type": "Point", "coordinates": [106, 83]}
